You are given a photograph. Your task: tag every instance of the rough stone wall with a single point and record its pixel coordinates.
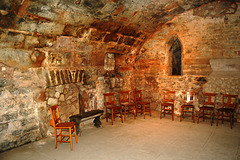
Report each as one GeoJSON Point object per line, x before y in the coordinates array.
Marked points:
{"type": "Point", "coordinates": [36, 58]}
{"type": "Point", "coordinates": [37, 40]}
{"type": "Point", "coordinates": [225, 78]}
{"type": "Point", "coordinates": [66, 96]}
{"type": "Point", "coordinates": [23, 115]}
{"type": "Point", "coordinates": [207, 38]}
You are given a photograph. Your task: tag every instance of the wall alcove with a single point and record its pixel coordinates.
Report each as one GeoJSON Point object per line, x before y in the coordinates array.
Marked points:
{"type": "Point", "coordinates": [174, 49]}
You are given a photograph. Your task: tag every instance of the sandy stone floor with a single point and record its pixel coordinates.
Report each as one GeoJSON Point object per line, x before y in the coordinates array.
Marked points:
{"type": "Point", "coordinates": [140, 139]}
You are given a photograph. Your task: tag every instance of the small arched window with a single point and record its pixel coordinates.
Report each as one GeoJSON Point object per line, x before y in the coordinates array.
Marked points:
{"type": "Point", "coordinates": [175, 57]}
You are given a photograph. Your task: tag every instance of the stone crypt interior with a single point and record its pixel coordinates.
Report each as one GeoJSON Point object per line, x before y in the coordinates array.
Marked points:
{"type": "Point", "coordinates": [71, 52]}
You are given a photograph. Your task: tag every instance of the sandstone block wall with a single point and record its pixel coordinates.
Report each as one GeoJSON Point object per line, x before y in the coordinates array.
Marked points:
{"type": "Point", "coordinates": [37, 62]}
{"type": "Point", "coordinates": [36, 47]}
{"type": "Point", "coordinates": [23, 114]}
{"type": "Point", "coordinates": [210, 56]}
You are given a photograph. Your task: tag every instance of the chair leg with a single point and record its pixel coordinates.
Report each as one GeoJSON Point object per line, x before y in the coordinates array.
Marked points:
{"type": "Point", "coordinates": [60, 136]}
{"type": "Point", "coordinates": [181, 114]}
{"type": "Point", "coordinates": [161, 112]}
{"type": "Point", "coordinates": [203, 115]}
{"type": "Point", "coordinates": [106, 116]}
{"type": "Point", "coordinates": [199, 115]}
{"type": "Point", "coordinates": [121, 115]}
{"type": "Point", "coordinates": [222, 117]}
{"type": "Point", "coordinates": [150, 110]}
{"type": "Point", "coordinates": [112, 116]}
{"type": "Point", "coordinates": [164, 110]}
{"type": "Point", "coordinates": [173, 113]}
{"type": "Point", "coordinates": [211, 117]}
{"type": "Point", "coordinates": [231, 119]}
{"type": "Point", "coordinates": [193, 115]}
{"type": "Point", "coordinates": [125, 112]}
{"type": "Point", "coordinates": [55, 134]}
{"type": "Point", "coordinates": [75, 133]}
{"type": "Point", "coordinates": [217, 118]}
{"type": "Point", "coordinates": [70, 134]}
{"type": "Point", "coordinates": [144, 111]}
{"type": "Point", "coordinates": [134, 112]}
{"type": "Point", "coordinates": [141, 110]}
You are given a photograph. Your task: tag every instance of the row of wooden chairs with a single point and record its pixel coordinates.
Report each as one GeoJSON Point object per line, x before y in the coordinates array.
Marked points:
{"type": "Point", "coordinates": [126, 105]}
{"type": "Point", "coordinates": [63, 130]}
{"type": "Point", "coordinates": [207, 108]}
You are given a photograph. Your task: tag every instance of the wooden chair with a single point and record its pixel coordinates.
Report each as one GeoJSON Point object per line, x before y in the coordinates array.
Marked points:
{"type": "Point", "coordinates": [208, 106]}
{"type": "Point", "coordinates": [167, 106]}
{"type": "Point", "coordinates": [128, 106]}
{"type": "Point", "coordinates": [62, 130]}
{"type": "Point", "coordinates": [141, 106]}
{"type": "Point", "coordinates": [111, 106]}
{"type": "Point", "coordinates": [228, 108]}
{"type": "Point", "coordinates": [188, 105]}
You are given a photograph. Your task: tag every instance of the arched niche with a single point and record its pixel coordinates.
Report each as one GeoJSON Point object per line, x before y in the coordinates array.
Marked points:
{"type": "Point", "coordinates": [174, 53]}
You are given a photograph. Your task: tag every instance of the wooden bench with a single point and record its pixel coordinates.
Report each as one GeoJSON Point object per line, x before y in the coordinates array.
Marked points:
{"type": "Point", "coordinates": [78, 118]}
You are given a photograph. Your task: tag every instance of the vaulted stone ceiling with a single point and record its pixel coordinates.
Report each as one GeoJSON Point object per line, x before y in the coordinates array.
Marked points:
{"type": "Point", "coordinates": [130, 17]}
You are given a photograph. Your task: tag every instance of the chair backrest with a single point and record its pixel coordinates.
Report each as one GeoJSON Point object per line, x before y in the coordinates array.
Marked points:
{"type": "Point", "coordinates": [209, 99]}
{"type": "Point", "coordinates": [54, 115]}
{"type": "Point", "coordinates": [188, 98]}
{"type": "Point", "coordinates": [138, 96]}
{"type": "Point", "coordinates": [124, 96]}
{"type": "Point", "coordinates": [229, 101]}
{"type": "Point", "coordinates": [109, 99]}
{"type": "Point", "coordinates": [168, 96]}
